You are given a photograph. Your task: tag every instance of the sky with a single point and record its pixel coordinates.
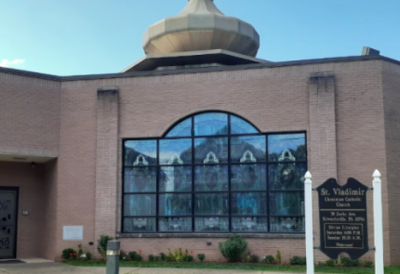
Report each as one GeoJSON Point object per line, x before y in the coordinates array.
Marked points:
{"type": "Point", "coordinates": [79, 37]}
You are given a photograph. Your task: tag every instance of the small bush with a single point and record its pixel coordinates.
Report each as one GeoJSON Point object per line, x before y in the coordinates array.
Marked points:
{"type": "Point", "coordinates": [151, 258]}
{"type": "Point", "coordinates": [88, 256]}
{"type": "Point", "coordinates": [201, 257]}
{"type": "Point", "coordinates": [278, 257]}
{"type": "Point", "coordinates": [254, 259]}
{"type": "Point", "coordinates": [163, 257]}
{"type": "Point", "coordinates": [330, 263]}
{"type": "Point", "coordinates": [156, 258]}
{"type": "Point", "coordinates": [348, 262]}
{"type": "Point", "coordinates": [133, 256]}
{"type": "Point", "coordinates": [368, 264]}
{"type": "Point", "coordinates": [298, 260]}
{"type": "Point", "coordinates": [123, 256]}
{"type": "Point", "coordinates": [68, 254]}
{"type": "Point", "coordinates": [102, 245]}
{"type": "Point", "coordinates": [188, 258]}
{"type": "Point", "coordinates": [233, 248]}
{"type": "Point", "coordinates": [80, 251]}
{"type": "Point", "coordinates": [269, 260]}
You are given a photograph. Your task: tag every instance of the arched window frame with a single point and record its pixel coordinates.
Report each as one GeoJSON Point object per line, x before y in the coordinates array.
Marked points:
{"type": "Point", "coordinates": [270, 219]}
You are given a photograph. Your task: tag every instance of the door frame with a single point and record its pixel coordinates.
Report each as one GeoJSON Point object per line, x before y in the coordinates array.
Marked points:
{"type": "Point", "coordinates": [16, 189]}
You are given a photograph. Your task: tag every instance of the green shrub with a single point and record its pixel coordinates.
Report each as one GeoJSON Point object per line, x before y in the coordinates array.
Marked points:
{"type": "Point", "coordinates": [68, 254]}
{"type": "Point", "coordinates": [156, 258]}
{"type": "Point", "coordinates": [88, 256]}
{"type": "Point", "coordinates": [123, 256]}
{"type": "Point", "coordinates": [278, 257]}
{"type": "Point", "coordinates": [151, 258]}
{"type": "Point", "coordinates": [188, 258]}
{"type": "Point", "coordinates": [298, 260]}
{"type": "Point", "coordinates": [102, 245]}
{"type": "Point", "coordinates": [80, 251]}
{"type": "Point", "coordinates": [368, 264]}
{"type": "Point", "coordinates": [233, 248]}
{"type": "Point", "coordinates": [201, 257]}
{"type": "Point", "coordinates": [330, 263]}
{"type": "Point", "coordinates": [254, 259]}
{"type": "Point", "coordinates": [348, 262]}
{"type": "Point", "coordinates": [269, 260]}
{"type": "Point", "coordinates": [133, 256]}
{"type": "Point", "coordinates": [163, 257]}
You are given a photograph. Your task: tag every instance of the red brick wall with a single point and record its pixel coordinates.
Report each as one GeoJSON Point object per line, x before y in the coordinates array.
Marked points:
{"type": "Point", "coordinates": [29, 115]}
{"type": "Point", "coordinates": [391, 95]}
{"type": "Point", "coordinates": [49, 210]}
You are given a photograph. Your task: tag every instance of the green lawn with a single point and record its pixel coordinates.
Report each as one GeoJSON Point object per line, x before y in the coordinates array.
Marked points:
{"type": "Point", "coordinates": [262, 267]}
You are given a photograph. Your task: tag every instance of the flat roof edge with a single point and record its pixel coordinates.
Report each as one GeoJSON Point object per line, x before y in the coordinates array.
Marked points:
{"type": "Point", "coordinates": [197, 70]}
{"type": "Point", "coordinates": [32, 74]}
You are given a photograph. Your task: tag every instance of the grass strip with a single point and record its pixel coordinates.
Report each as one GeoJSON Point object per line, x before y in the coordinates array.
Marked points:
{"type": "Point", "coordinates": [238, 266]}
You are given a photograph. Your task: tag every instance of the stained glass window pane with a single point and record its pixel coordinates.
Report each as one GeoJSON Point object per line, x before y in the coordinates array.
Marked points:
{"type": "Point", "coordinates": [140, 205]}
{"type": "Point", "coordinates": [249, 203]}
{"type": "Point", "coordinates": [249, 224]}
{"type": "Point", "coordinates": [176, 178]}
{"type": "Point", "coordinates": [248, 149]}
{"type": "Point", "coordinates": [175, 204]}
{"type": "Point", "coordinates": [140, 179]}
{"type": "Point", "coordinates": [211, 124]}
{"type": "Point", "coordinates": [211, 204]}
{"type": "Point", "coordinates": [175, 151]}
{"type": "Point", "coordinates": [288, 224]}
{"type": "Point", "coordinates": [174, 224]}
{"type": "Point", "coordinates": [183, 129]}
{"type": "Point", "coordinates": [211, 150]}
{"type": "Point", "coordinates": [248, 177]}
{"type": "Point", "coordinates": [141, 153]}
{"type": "Point", "coordinates": [240, 126]}
{"type": "Point", "coordinates": [211, 178]}
{"type": "Point", "coordinates": [287, 176]}
{"type": "Point", "coordinates": [139, 225]}
{"type": "Point", "coordinates": [286, 203]}
{"type": "Point", "coordinates": [211, 224]}
{"type": "Point", "coordinates": [287, 147]}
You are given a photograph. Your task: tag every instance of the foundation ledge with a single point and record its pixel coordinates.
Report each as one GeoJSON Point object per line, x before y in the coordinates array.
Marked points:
{"type": "Point", "coordinates": [211, 235]}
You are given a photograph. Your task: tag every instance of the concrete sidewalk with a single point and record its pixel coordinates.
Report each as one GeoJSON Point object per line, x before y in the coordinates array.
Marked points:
{"type": "Point", "coordinates": [52, 268]}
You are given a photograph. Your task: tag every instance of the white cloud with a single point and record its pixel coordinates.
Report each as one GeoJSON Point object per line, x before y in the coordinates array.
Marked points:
{"type": "Point", "coordinates": [6, 63]}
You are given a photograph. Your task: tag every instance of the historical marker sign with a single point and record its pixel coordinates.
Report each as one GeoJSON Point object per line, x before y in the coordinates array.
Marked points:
{"type": "Point", "coordinates": [343, 218]}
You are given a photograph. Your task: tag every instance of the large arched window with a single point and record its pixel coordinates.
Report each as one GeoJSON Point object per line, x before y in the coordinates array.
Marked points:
{"type": "Point", "coordinates": [214, 172]}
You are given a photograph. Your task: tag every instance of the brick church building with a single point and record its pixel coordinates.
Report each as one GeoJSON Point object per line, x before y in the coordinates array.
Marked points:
{"type": "Point", "coordinates": [196, 141]}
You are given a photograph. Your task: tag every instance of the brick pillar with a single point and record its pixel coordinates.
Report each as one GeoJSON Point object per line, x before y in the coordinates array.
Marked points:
{"type": "Point", "coordinates": [106, 161]}
{"type": "Point", "coordinates": [322, 139]}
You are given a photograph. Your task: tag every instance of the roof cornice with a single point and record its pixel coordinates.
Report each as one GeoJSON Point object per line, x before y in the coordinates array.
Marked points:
{"type": "Point", "coordinates": [197, 70]}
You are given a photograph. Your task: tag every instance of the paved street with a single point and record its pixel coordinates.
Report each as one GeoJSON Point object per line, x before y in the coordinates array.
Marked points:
{"type": "Point", "coordinates": [51, 268]}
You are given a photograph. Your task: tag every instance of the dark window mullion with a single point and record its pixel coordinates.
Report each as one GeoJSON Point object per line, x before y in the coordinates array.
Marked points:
{"type": "Point", "coordinates": [229, 175]}
{"type": "Point", "coordinates": [123, 189]}
{"type": "Point", "coordinates": [267, 180]}
{"type": "Point", "coordinates": [158, 184]}
{"type": "Point", "coordinates": [193, 176]}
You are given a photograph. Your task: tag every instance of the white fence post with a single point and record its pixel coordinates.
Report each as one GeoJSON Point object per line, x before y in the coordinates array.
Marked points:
{"type": "Point", "coordinates": [378, 227]}
{"type": "Point", "coordinates": [309, 223]}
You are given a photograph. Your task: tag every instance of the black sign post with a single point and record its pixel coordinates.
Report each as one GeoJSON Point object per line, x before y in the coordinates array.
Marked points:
{"type": "Point", "coordinates": [343, 218]}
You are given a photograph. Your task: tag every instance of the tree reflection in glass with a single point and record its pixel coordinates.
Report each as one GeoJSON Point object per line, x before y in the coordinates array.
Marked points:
{"type": "Point", "coordinates": [212, 204]}
{"type": "Point", "coordinates": [248, 203]}
{"type": "Point", "coordinates": [175, 204]}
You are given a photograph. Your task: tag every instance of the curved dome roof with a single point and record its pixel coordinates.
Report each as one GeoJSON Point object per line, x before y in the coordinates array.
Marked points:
{"type": "Point", "coordinates": [201, 26]}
